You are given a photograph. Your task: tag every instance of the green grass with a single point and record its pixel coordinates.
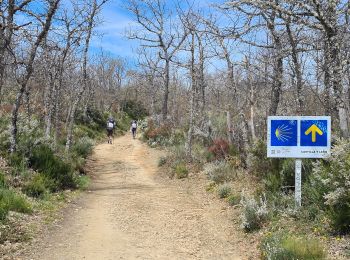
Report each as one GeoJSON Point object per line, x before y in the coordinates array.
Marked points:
{"type": "Point", "coordinates": [291, 247]}
{"type": "Point", "coordinates": [181, 171]}
{"type": "Point", "coordinates": [12, 201]}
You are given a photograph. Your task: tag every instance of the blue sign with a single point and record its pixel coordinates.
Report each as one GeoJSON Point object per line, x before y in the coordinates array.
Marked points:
{"type": "Point", "coordinates": [299, 136]}
{"type": "Point", "coordinates": [313, 133]}
{"type": "Point", "coordinates": [284, 132]}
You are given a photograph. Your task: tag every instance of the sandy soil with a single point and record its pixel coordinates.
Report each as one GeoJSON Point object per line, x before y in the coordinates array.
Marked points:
{"type": "Point", "coordinates": [130, 212]}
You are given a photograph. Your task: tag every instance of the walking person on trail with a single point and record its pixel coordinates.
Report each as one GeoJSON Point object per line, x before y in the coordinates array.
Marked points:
{"type": "Point", "coordinates": [110, 128]}
{"type": "Point", "coordinates": [133, 128]}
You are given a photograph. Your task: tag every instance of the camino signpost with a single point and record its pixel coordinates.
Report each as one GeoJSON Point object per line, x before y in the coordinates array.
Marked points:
{"type": "Point", "coordinates": [298, 137]}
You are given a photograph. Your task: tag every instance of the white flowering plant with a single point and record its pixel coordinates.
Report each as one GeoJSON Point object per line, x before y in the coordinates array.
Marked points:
{"type": "Point", "coordinates": [255, 213]}
{"type": "Point", "coordinates": [330, 182]}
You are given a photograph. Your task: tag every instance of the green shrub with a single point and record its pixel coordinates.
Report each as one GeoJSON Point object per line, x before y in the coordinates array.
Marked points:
{"type": "Point", "coordinates": [83, 182]}
{"type": "Point", "coordinates": [162, 161]}
{"type": "Point", "coordinates": [3, 183]}
{"type": "Point", "coordinates": [255, 213]}
{"type": "Point", "coordinates": [11, 201]}
{"type": "Point", "coordinates": [94, 119]}
{"type": "Point", "coordinates": [181, 171]}
{"type": "Point", "coordinates": [330, 187]}
{"type": "Point", "coordinates": [224, 190]}
{"type": "Point", "coordinates": [210, 187]}
{"type": "Point", "coordinates": [53, 167]}
{"type": "Point", "coordinates": [233, 200]}
{"type": "Point", "coordinates": [178, 152]}
{"type": "Point", "coordinates": [83, 147]}
{"type": "Point", "coordinates": [83, 131]}
{"type": "Point", "coordinates": [17, 161]}
{"type": "Point", "coordinates": [287, 247]}
{"type": "Point", "coordinates": [259, 164]}
{"type": "Point", "coordinates": [37, 187]}
{"type": "Point", "coordinates": [219, 172]}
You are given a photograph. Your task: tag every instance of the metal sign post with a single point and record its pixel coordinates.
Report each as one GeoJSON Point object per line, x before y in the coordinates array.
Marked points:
{"type": "Point", "coordinates": [298, 137]}
{"type": "Point", "coordinates": [298, 165]}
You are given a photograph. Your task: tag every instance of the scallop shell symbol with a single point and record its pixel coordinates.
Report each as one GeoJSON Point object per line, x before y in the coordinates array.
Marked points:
{"type": "Point", "coordinates": [283, 133]}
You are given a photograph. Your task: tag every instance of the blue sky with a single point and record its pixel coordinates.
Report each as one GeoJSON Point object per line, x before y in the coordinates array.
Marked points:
{"type": "Point", "coordinates": [111, 31]}
{"type": "Point", "coordinates": [116, 20]}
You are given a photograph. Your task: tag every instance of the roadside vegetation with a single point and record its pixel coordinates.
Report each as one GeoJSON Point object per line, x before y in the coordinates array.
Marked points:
{"type": "Point", "coordinates": [262, 190]}
{"type": "Point", "coordinates": [41, 176]}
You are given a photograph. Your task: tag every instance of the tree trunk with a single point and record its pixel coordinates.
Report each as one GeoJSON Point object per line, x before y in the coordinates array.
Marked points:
{"type": "Point", "coordinates": [278, 79]}
{"type": "Point", "coordinates": [166, 89]}
{"type": "Point", "coordinates": [48, 106]}
{"type": "Point", "coordinates": [229, 128]}
{"type": "Point", "coordinates": [188, 146]}
{"type": "Point", "coordinates": [297, 70]}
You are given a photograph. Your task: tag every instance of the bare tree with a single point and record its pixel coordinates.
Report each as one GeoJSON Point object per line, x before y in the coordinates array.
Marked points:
{"type": "Point", "coordinates": [92, 13]}
{"type": "Point", "coordinates": [159, 32]}
{"type": "Point", "coordinates": [23, 81]}
{"type": "Point", "coordinates": [8, 11]}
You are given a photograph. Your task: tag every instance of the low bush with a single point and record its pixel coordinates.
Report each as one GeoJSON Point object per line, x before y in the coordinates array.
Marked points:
{"type": "Point", "coordinates": [210, 187]}
{"type": "Point", "coordinates": [219, 148]}
{"type": "Point", "coordinates": [11, 201]}
{"type": "Point", "coordinates": [181, 171]}
{"type": "Point", "coordinates": [178, 152]}
{"type": "Point", "coordinates": [329, 187]}
{"type": "Point", "coordinates": [83, 147]}
{"type": "Point", "coordinates": [83, 182]}
{"type": "Point", "coordinates": [224, 190]}
{"type": "Point", "coordinates": [288, 247]}
{"type": "Point", "coordinates": [38, 186]}
{"type": "Point", "coordinates": [233, 200]}
{"type": "Point", "coordinates": [53, 167]}
{"type": "Point", "coordinates": [259, 164]}
{"type": "Point", "coordinates": [255, 213]}
{"type": "Point", "coordinates": [162, 161]}
{"type": "Point", "coordinates": [219, 171]}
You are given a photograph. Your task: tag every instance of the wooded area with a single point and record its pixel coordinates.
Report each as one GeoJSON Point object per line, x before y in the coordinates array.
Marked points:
{"type": "Point", "coordinates": [207, 74]}
{"type": "Point", "coordinates": [248, 59]}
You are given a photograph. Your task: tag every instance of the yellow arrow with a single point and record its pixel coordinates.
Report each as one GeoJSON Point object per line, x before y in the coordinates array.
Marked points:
{"type": "Point", "coordinates": [313, 130]}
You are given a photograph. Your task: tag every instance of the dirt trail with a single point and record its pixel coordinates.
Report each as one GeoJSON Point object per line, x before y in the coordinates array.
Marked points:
{"type": "Point", "coordinates": [128, 213]}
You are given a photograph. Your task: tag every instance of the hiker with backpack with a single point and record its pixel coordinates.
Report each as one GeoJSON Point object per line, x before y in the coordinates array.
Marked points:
{"type": "Point", "coordinates": [110, 128]}
{"type": "Point", "coordinates": [133, 128]}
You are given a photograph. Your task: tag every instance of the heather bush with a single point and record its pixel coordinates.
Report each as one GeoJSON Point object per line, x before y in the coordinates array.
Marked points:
{"type": "Point", "coordinates": [233, 199]}
{"type": "Point", "coordinates": [219, 171]}
{"type": "Point", "coordinates": [181, 170]}
{"type": "Point", "coordinates": [254, 214]}
{"type": "Point", "coordinates": [38, 186]}
{"type": "Point", "coordinates": [83, 147]}
{"type": "Point", "coordinates": [219, 148]}
{"type": "Point", "coordinates": [224, 190]}
{"type": "Point", "coordinates": [46, 162]}
{"type": "Point", "coordinates": [330, 186]}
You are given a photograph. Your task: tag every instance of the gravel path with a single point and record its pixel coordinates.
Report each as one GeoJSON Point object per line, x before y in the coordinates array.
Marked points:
{"type": "Point", "coordinates": [129, 213]}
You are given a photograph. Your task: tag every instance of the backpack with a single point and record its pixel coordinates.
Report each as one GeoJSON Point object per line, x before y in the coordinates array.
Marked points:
{"type": "Point", "coordinates": [110, 125]}
{"type": "Point", "coordinates": [134, 125]}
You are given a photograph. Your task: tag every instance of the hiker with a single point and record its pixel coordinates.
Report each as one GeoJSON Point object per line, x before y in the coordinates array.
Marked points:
{"type": "Point", "coordinates": [110, 128]}
{"type": "Point", "coordinates": [133, 128]}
